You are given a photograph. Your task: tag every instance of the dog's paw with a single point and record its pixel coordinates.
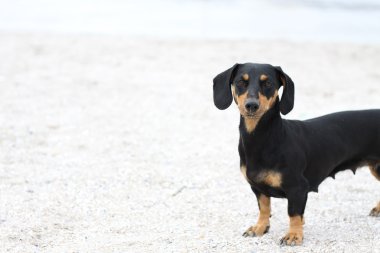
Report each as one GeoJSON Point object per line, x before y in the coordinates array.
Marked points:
{"type": "Point", "coordinates": [375, 212]}
{"type": "Point", "coordinates": [292, 238]}
{"type": "Point", "coordinates": [257, 230]}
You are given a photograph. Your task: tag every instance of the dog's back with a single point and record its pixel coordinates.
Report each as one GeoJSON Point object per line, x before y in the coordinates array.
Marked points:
{"type": "Point", "coordinates": [338, 141]}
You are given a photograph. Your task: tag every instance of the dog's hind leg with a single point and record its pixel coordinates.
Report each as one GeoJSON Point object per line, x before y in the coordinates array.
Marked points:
{"type": "Point", "coordinates": [375, 170]}
{"type": "Point", "coordinates": [375, 211]}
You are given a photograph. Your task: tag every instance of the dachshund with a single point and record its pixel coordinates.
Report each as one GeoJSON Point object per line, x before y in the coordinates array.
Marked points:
{"type": "Point", "coordinates": [289, 158]}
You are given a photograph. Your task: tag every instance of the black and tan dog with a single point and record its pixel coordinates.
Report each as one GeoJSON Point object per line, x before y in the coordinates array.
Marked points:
{"type": "Point", "coordinates": [289, 158]}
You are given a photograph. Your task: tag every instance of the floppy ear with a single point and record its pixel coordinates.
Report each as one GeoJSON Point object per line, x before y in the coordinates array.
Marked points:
{"type": "Point", "coordinates": [287, 98]}
{"type": "Point", "coordinates": [222, 88]}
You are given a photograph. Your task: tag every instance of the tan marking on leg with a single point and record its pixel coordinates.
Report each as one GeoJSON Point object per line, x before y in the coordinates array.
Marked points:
{"type": "Point", "coordinates": [245, 77]}
{"type": "Point", "coordinates": [263, 77]}
{"type": "Point", "coordinates": [295, 234]}
{"type": "Point", "coordinates": [262, 224]}
{"type": "Point", "coordinates": [372, 168]}
{"type": "Point", "coordinates": [243, 170]}
{"type": "Point", "coordinates": [375, 211]}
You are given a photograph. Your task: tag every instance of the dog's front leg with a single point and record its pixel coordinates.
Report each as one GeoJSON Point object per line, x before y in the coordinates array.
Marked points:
{"type": "Point", "coordinates": [297, 198]}
{"type": "Point", "coordinates": [262, 224]}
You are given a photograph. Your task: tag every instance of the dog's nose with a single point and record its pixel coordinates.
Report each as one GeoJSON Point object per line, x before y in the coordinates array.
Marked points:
{"type": "Point", "coordinates": [252, 105]}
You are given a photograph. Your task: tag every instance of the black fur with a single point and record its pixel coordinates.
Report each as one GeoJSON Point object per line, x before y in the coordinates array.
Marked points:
{"type": "Point", "coordinates": [222, 88]}
{"type": "Point", "coordinates": [287, 99]}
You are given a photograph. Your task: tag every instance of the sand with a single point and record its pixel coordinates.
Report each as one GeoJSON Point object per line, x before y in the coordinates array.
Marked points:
{"type": "Point", "coordinates": [110, 144]}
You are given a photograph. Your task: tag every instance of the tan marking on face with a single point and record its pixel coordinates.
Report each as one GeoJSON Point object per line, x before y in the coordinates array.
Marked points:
{"type": "Point", "coordinates": [262, 224]}
{"type": "Point", "coordinates": [295, 234]}
{"type": "Point", "coordinates": [372, 168]}
{"type": "Point", "coordinates": [271, 178]}
{"type": "Point", "coordinates": [263, 77]}
{"type": "Point", "coordinates": [240, 100]}
{"type": "Point", "coordinates": [265, 105]}
{"type": "Point", "coordinates": [243, 170]}
{"type": "Point", "coordinates": [245, 77]}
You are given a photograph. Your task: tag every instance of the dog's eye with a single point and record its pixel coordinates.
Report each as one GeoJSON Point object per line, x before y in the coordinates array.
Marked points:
{"type": "Point", "coordinates": [242, 83]}
{"type": "Point", "coordinates": [267, 84]}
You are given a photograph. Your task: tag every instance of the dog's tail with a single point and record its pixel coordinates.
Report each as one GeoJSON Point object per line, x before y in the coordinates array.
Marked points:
{"type": "Point", "coordinates": [375, 170]}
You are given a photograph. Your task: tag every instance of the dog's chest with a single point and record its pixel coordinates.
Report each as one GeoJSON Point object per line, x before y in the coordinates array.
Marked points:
{"type": "Point", "coordinates": [264, 177]}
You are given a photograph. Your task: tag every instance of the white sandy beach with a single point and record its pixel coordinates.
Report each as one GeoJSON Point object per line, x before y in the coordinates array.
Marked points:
{"type": "Point", "coordinates": [110, 144]}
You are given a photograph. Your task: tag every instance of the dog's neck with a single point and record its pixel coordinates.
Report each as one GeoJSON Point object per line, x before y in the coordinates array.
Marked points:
{"type": "Point", "coordinates": [269, 126]}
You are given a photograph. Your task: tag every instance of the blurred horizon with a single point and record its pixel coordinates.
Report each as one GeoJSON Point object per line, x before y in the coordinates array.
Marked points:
{"type": "Point", "coordinates": [295, 20]}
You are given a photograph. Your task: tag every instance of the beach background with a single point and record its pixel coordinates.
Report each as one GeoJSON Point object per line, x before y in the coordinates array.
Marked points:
{"type": "Point", "coordinates": [110, 141]}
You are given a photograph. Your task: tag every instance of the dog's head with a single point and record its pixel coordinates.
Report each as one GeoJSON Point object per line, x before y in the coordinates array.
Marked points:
{"type": "Point", "coordinates": [254, 87]}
